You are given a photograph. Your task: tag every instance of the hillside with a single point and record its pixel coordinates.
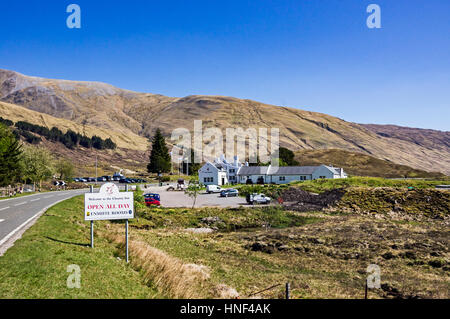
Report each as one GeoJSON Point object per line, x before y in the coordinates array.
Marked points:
{"type": "Point", "coordinates": [431, 139]}
{"type": "Point", "coordinates": [129, 114]}
{"type": "Point", "coordinates": [17, 113]}
{"type": "Point", "coordinates": [358, 164]}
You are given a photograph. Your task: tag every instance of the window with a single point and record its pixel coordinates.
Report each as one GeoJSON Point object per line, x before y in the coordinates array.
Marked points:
{"type": "Point", "coordinates": [282, 178]}
{"type": "Point", "coordinates": [232, 170]}
{"type": "Point", "coordinates": [208, 179]}
{"type": "Point", "coordinates": [303, 178]}
{"type": "Point", "coordinates": [322, 177]}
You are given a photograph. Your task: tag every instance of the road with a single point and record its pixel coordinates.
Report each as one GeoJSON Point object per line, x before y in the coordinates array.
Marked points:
{"type": "Point", "coordinates": [18, 214]}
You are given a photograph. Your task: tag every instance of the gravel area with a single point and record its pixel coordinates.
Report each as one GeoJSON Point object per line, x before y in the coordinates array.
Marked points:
{"type": "Point", "coordinates": [180, 199]}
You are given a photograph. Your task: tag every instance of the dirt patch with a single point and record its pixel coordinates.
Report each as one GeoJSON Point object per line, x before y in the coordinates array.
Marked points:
{"type": "Point", "coordinates": [297, 199]}
{"type": "Point", "coordinates": [394, 203]}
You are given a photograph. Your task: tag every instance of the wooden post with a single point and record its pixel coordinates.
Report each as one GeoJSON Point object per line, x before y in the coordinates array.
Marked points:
{"type": "Point", "coordinates": [287, 290]}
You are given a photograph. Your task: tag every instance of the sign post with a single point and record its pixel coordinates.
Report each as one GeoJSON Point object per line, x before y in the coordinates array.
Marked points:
{"type": "Point", "coordinates": [109, 204]}
{"type": "Point", "coordinates": [91, 190]}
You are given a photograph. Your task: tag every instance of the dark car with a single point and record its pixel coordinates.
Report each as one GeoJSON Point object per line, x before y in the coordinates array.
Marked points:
{"type": "Point", "coordinates": [101, 179]}
{"type": "Point", "coordinates": [152, 195]}
{"type": "Point", "coordinates": [229, 192]}
{"type": "Point", "coordinates": [125, 181]}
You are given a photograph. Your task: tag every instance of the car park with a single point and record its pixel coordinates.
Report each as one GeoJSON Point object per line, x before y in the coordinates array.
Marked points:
{"type": "Point", "coordinates": [213, 189]}
{"type": "Point", "coordinates": [229, 192]}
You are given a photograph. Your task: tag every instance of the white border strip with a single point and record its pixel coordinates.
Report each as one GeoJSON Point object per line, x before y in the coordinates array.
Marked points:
{"type": "Point", "coordinates": [37, 215]}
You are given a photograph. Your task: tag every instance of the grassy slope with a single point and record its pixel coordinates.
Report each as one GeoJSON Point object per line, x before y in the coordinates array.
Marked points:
{"type": "Point", "coordinates": [321, 185]}
{"type": "Point", "coordinates": [123, 139]}
{"type": "Point", "coordinates": [35, 267]}
{"type": "Point", "coordinates": [359, 164]}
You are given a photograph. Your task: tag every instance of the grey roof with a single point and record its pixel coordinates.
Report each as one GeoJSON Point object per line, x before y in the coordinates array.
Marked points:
{"type": "Point", "coordinates": [292, 170]}
{"type": "Point", "coordinates": [283, 170]}
{"type": "Point", "coordinates": [253, 170]}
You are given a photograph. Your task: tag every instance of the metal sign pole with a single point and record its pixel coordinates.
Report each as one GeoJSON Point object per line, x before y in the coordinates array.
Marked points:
{"type": "Point", "coordinates": [92, 234]}
{"type": "Point", "coordinates": [91, 190]}
{"type": "Point", "coordinates": [126, 238]}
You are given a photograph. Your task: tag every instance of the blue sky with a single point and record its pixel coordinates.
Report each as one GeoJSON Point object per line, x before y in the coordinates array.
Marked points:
{"type": "Point", "coordinates": [316, 55]}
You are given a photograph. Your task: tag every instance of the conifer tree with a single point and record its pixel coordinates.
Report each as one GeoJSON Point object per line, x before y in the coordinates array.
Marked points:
{"type": "Point", "coordinates": [159, 156]}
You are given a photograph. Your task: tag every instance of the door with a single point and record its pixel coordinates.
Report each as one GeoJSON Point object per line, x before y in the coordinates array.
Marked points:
{"type": "Point", "coordinates": [223, 181]}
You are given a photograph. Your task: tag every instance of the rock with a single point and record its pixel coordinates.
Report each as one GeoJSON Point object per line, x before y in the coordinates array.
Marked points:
{"type": "Point", "coordinates": [211, 220]}
{"type": "Point", "coordinates": [388, 255]}
{"type": "Point", "coordinates": [436, 263]}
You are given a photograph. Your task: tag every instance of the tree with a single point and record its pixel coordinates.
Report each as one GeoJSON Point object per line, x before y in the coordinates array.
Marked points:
{"type": "Point", "coordinates": [65, 169]}
{"type": "Point", "coordinates": [38, 164]}
{"type": "Point", "coordinates": [159, 155]}
{"type": "Point", "coordinates": [287, 157]}
{"type": "Point", "coordinates": [10, 157]}
{"type": "Point", "coordinates": [192, 191]}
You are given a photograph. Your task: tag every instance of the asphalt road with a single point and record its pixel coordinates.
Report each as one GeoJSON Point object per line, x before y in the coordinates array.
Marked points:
{"type": "Point", "coordinates": [18, 214]}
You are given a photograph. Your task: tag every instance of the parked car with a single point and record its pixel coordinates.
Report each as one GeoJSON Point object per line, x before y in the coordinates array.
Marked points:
{"type": "Point", "coordinates": [149, 201]}
{"type": "Point", "coordinates": [125, 181]}
{"type": "Point", "coordinates": [213, 189]}
{"type": "Point", "coordinates": [229, 192]}
{"type": "Point", "coordinates": [101, 179]}
{"type": "Point", "coordinates": [76, 179]}
{"type": "Point", "coordinates": [258, 199]}
{"type": "Point", "coordinates": [83, 179]}
{"type": "Point", "coordinates": [152, 195]}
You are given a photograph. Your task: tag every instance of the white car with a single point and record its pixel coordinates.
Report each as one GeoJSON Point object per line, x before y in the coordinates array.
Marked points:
{"type": "Point", "coordinates": [260, 199]}
{"type": "Point", "coordinates": [213, 189]}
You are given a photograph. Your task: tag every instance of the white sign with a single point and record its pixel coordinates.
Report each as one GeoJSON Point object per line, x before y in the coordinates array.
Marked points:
{"type": "Point", "coordinates": [108, 204]}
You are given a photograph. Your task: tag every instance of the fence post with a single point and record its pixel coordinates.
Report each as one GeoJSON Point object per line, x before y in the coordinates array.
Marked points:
{"type": "Point", "coordinates": [287, 290]}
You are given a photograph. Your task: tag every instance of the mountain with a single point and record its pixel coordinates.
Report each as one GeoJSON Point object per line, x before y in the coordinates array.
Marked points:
{"type": "Point", "coordinates": [128, 113]}
{"type": "Point", "coordinates": [358, 164]}
{"type": "Point", "coordinates": [431, 139]}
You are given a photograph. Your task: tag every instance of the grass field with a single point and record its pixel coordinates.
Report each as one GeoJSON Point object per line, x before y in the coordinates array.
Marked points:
{"type": "Point", "coordinates": [322, 255]}
{"type": "Point", "coordinates": [36, 266]}
{"type": "Point", "coordinates": [321, 185]}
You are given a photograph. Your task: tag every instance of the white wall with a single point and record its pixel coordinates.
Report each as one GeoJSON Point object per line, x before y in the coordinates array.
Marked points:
{"type": "Point", "coordinates": [288, 178]}
{"type": "Point", "coordinates": [209, 170]}
{"type": "Point", "coordinates": [322, 171]}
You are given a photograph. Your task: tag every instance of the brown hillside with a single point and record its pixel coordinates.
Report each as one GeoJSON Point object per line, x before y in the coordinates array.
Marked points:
{"type": "Point", "coordinates": [358, 164]}
{"type": "Point", "coordinates": [104, 106]}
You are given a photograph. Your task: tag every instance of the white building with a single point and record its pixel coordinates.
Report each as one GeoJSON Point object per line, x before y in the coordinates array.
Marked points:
{"type": "Point", "coordinates": [219, 172]}
{"type": "Point", "coordinates": [286, 174]}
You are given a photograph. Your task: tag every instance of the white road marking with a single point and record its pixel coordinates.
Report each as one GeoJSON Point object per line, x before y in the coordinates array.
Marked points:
{"type": "Point", "coordinates": [33, 200]}
{"type": "Point", "coordinates": [20, 204]}
{"type": "Point", "coordinates": [4, 208]}
{"type": "Point", "coordinates": [26, 222]}
{"type": "Point", "coordinates": [48, 196]}
{"type": "Point", "coordinates": [2, 220]}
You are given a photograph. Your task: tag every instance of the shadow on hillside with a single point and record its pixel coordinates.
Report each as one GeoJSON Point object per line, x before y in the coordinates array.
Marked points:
{"type": "Point", "coordinates": [66, 242]}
